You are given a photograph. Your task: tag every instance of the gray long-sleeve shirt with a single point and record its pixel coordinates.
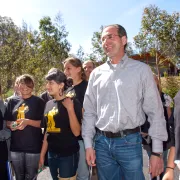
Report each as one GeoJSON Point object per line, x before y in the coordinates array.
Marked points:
{"type": "Point", "coordinates": [118, 97]}
{"type": "Point", "coordinates": [177, 126]}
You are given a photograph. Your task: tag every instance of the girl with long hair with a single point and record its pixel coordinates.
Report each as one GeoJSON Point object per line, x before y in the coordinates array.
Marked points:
{"type": "Point", "coordinates": [73, 69]}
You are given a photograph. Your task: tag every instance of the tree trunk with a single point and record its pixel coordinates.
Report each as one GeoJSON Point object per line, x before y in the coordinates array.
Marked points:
{"type": "Point", "coordinates": [158, 71]}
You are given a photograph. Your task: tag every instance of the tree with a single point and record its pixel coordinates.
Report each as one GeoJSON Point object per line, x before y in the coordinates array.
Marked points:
{"type": "Point", "coordinates": [129, 49]}
{"type": "Point", "coordinates": [159, 35]}
{"type": "Point", "coordinates": [35, 52]}
{"type": "Point", "coordinates": [53, 46]}
{"type": "Point", "coordinates": [97, 50]}
{"type": "Point", "coordinates": [50, 47]}
{"type": "Point", "coordinates": [12, 51]}
{"type": "Point", "coordinates": [80, 53]}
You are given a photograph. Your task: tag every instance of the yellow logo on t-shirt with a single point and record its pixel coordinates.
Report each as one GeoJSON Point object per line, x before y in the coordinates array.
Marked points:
{"type": "Point", "coordinates": [51, 123]}
{"type": "Point", "coordinates": [21, 111]}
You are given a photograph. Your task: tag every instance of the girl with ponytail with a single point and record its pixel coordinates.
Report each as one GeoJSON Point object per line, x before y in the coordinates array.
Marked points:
{"type": "Point", "coordinates": [73, 69]}
{"type": "Point", "coordinates": [61, 116]}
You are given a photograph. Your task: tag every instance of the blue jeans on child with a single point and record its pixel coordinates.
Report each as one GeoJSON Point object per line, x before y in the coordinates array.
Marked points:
{"type": "Point", "coordinates": [25, 165]}
{"type": "Point", "coordinates": [119, 158]}
{"type": "Point", "coordinates": [63, 167]}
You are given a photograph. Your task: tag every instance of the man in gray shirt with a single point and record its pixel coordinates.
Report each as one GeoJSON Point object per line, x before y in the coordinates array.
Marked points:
{"type": "Point", "coordinates": [119, 94]}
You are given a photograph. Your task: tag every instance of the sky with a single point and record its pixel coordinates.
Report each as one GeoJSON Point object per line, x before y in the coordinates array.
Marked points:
{"type": "Point", "coordinates": [83, 17]}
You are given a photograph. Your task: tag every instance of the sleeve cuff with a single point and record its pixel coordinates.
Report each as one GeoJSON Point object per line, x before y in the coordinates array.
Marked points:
{"type": "Point", "coordinates": [88, 143]}
{"type": "Point", "coordinates": [157, 146]}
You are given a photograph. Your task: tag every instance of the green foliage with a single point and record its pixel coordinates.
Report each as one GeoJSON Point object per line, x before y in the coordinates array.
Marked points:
{"type": "Point", "coordinates": [34, 52]}
{"type": "Point", "coordinates": [170, 85]}
{"type": "Point", "coordinates": [129, 49]}
{"type": "Point", "coordinates": [165, 74]}
{"type": "Point", "coordinates": [97, 50]}
{"type": "Point", "coordinates": [159, 35]}
{"type": "Point", "coordinates": [80, 53]}
{"type": "Point", "coordinates": [12, 43]}
{"type": "Point", "coordinates": [8, 94]}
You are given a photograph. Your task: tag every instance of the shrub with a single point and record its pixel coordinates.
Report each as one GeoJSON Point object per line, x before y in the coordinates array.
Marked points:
{"type": "Point", "coordinates": [170, 85]}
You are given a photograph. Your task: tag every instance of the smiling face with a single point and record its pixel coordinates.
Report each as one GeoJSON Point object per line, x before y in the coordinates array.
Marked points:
{"type": "Point", "coordinates": [53, 88]}
{"type": "Point", "coordinates": [71, 71]}
{"type": "Point", "coordinates": [25, 85]}
{"type": "Point", "coordinates": [25, 90]}
{"type": "Point", "coordinates": [112, 43]}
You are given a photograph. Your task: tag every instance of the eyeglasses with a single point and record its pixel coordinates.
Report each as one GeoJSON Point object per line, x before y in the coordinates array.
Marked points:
{"type": "Point", "coordinates": [109, 37]}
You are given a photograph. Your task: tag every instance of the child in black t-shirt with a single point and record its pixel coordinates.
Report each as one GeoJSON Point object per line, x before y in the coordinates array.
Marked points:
{"type": "Point", "coordinates": [23, 115]}
{"type": "Point", "coordinates": [73, 69]}
{"type": "Point", "coordinates": [45, 96]}
{"type": "Point", "coordinates": [61, 116]}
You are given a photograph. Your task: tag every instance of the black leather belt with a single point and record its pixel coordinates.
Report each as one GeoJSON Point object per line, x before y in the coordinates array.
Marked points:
{"type": "Point", "coordinates": [118, 134]}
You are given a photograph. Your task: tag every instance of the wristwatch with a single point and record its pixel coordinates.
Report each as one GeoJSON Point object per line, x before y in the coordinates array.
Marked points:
{"type": "Point", "coordinates": [157, 154]}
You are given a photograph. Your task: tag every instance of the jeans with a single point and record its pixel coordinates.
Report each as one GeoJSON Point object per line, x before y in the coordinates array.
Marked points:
{"type": "Point", "coordinates": [64, 167]}
{"type": "Point", "coordinates": [83, 171]}
{"type": "Point", "coordinates": [119, 158]}
{"type": "Point", "coordinates": [25, 165]}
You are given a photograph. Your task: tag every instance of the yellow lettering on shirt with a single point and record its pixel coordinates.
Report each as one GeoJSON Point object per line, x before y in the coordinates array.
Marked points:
{"type": "Point", "coordinates": [51, 123]}
{"type": "Point", "coordinates": [21, 111]}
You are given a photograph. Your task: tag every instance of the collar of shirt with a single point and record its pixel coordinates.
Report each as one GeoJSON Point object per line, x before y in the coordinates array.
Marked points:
{"type": "Point", "coordinates": [122, 63]}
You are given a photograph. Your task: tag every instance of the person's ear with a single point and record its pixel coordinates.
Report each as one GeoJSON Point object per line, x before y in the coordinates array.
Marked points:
{"type": "Point", "coordinates": [124, 40]}
{"type": "Point", "coordinates": [78, 69]}
{"type": "Point", "coordinates": [61, 85]}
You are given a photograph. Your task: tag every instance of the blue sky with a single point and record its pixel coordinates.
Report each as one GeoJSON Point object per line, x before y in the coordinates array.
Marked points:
{"type": "Point", "coordinates": [83, 17]}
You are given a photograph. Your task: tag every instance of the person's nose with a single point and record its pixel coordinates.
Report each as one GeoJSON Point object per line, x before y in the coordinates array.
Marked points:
{"type": "Point", "coordinates": [47, 85]}
{"type": "Point", "coordinates": [65, 72]}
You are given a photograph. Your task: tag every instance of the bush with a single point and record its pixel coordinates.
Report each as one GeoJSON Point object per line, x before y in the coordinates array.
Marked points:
{"type": "Point", "coordinates": [170, 85]}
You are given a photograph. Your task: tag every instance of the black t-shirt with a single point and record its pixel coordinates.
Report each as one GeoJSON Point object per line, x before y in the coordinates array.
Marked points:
{"type": "Point", "coordinates": [80, 90]}
{"type": "Point", "coordinates": [46, 97]}
{"type": "Point", "coordinates": [60, 138]}
{"type": "Point", "coordinates": [29, 139]}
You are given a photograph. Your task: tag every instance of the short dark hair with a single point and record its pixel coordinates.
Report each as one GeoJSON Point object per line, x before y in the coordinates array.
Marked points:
{"type": "Point", "coordinates": [120, 29]}
{"type": "Point", "coordinates": [56, 75]}
{"type": "Point", "coordinates": [27, 80]}
{"type": "Point", "coordinates": [59, 77]}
